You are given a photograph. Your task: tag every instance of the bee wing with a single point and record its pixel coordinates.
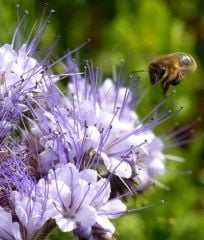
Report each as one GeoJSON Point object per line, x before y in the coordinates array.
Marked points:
{"type": "Point", "coordinates": [186, 62]}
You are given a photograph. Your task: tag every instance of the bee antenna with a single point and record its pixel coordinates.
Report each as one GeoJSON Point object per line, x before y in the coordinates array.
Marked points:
{"type": "Point", "coordinates": [135, 71]}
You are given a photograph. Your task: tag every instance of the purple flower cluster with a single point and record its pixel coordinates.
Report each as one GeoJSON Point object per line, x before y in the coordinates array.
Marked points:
{"type": "Point", "coordinates": [68, 159]}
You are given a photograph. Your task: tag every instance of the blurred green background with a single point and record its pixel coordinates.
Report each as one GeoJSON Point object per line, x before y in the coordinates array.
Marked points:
{"type": "Point", "coordinates": [136, 31]}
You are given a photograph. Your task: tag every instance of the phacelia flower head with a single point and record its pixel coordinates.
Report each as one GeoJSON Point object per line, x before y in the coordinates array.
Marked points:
{"type": "Point", "coordinates": [69, 159]}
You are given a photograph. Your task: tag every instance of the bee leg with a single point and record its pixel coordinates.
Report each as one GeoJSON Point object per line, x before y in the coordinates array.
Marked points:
{"type": "Point", "coordinates": [165, 87]}
{"type": "Point", "coordinates": [176, 81]}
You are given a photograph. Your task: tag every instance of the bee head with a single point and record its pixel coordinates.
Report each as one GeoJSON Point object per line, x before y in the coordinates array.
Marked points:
{"type": "Point", "coordinates": [156, 72]}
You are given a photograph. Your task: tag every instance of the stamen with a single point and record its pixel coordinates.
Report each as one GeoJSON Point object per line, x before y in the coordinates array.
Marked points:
{"type": "Point", "coordinates": [174, 158]}
{"type": "Point", "coordinates": [19, 23]}
{"type": "Point", "coordinates": [145, 207]}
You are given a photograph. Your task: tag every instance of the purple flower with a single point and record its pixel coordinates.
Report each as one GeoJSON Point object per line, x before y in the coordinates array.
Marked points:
{"type": "Point", "coordinates": [97, 128]}
{"type": "Point", "coordinates": [9, 230]}
{"type": "Point", "coordinates": [69, 160]}
{"type": "Point", "coordinates": [21, 78]}
{"type": "Point", "coordinates": [110, 130]}
{"type": "Point", "coordinates": [81, 200]}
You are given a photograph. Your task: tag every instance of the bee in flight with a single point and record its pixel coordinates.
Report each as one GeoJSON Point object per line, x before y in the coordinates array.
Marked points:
{"type": "Point", "coordinates": [169, 69]}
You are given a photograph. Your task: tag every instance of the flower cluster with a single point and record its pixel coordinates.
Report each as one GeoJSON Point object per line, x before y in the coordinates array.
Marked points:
{"type": "Point", "coordinates": [68, 159]}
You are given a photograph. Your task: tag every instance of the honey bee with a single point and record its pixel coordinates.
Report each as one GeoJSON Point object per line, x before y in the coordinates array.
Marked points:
{"type": "Point", "coordinates": [169, 69]}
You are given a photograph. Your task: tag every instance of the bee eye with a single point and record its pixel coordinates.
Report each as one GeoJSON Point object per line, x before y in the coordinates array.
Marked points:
{"type": "Point", "coordinates": [163, 71]}
{"type": "Point", "coordinates": [153, 78]}
{"type": "Point", "coordinates": [156, 72]}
